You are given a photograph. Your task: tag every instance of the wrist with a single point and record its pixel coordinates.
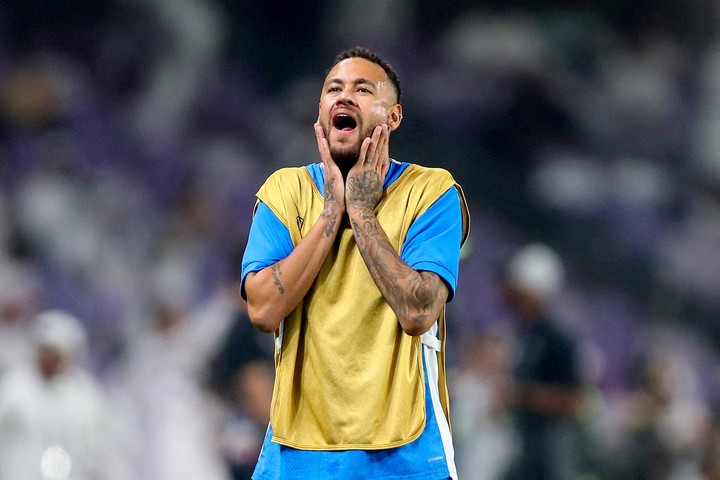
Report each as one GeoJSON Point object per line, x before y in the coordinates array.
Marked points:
{"type": "Point", "coordinates": [332, 212]}
{"type": "Point", "coordinates": [359, 210]}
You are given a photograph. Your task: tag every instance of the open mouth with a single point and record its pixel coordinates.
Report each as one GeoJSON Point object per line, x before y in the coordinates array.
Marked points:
{"type": "Point", "coordinates": [344, 122]}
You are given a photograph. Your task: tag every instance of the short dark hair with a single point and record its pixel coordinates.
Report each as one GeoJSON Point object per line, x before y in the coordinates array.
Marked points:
{"type": "Point", "coordinates": [361, 52]}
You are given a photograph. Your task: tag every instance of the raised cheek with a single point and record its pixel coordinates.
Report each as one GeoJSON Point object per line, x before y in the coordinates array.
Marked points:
{"type": "Point", "coordinates": [325, 107]}
{"type": "Point", "coordinates": [378, 112]}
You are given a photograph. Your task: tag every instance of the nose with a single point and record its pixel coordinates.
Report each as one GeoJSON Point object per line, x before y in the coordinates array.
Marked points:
{"type": "Point", "coordinates": [346, 98]}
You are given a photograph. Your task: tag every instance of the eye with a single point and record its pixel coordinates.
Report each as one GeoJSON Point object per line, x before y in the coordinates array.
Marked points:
{"type": "Point", "coordinates": [333, 89]}
{"type": "Point", "coordinates": [364, 90]}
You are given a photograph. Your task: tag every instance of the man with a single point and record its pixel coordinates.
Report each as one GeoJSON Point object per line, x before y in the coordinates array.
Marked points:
{"type": "Point", "coordinates": [54, 418]}
{"type": "Point", "coordinates": [161, 386]}
{"type": "Point", "coordinates": [547, 394]}
{"type": "Point", "coordinates": [350, 262]}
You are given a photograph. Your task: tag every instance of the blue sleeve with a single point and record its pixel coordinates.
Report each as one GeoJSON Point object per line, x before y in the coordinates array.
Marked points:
{"type": "Point", "coordinates": [433, 241]}
{"type": "Point", "coordinates": [268, 242]}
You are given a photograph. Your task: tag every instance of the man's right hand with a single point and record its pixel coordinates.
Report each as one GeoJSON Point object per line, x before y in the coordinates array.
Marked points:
{"type": "Point", "coordinates": [276, 290]}
{"type": "Point", "coordinates": [334, 183]}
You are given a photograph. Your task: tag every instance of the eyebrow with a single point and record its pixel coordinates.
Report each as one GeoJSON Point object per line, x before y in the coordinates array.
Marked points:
{"type": "Point", "coordinates": [357, 81]}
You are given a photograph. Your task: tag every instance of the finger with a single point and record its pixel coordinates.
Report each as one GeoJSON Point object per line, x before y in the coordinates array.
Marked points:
{"type": "Point", "coordinates": [385, 151]}
{"type": "Point", "coordinates": [383, 146]}
{"type": "Point", "coordinates": [323, 145]}
{"type": "Point", "coordinates": [374, 154]}
{"type": "Point", "coordinates": [377, 150]}
{"type": "Point", "coordinates": [365, 156]}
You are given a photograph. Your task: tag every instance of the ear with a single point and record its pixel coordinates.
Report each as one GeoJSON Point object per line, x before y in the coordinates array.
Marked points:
{"type": "Point", "coordinates": [394, 116]}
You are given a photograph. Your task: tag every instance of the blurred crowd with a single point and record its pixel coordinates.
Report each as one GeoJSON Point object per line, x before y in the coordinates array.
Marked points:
{"type": "Point", "coordinates": [134, 134]}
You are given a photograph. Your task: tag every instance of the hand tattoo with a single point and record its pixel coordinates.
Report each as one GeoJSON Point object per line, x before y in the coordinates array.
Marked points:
{"type": "Point", "coordinates": [364, 190]}
{"type": "Point", "coordinates": [330, 210]}
{"type": "Point", "coordinates": [330, 190]}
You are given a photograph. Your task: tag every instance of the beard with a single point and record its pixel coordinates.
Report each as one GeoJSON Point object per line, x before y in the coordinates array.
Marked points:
{"type": "Point", "coordinates": [346, 156]}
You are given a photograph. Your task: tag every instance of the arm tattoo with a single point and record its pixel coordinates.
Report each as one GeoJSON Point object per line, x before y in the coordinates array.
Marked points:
{"type": "Point", "coordinates": [425, 292]}
{"type": "Point", "coordinates": [370, 228]}
{"type": "Point", "coordinates": [330, 228]}
{"type": "Point", "coordinates": [276, 274]}
{"type": "Point", "coordinates": [330, 212]}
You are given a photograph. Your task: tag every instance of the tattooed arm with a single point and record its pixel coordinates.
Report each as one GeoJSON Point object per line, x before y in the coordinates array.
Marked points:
{"type": "Point", "coordinates": [273, 292]}
{"type": "Point", "coordinates": [416, 297]}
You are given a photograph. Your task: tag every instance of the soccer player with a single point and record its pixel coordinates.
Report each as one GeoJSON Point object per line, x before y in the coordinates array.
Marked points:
{"type": "Point", "coordinates": [350, 262]}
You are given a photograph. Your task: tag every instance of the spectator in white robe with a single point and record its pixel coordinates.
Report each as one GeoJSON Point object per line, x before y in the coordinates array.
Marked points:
{"type": "Point", "coordinates": [173, 418]}
{"type": "Point", "coordinates": [53, 419]}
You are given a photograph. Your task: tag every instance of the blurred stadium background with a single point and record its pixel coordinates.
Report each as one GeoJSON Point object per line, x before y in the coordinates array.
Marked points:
{"type": "Point", "coordinates": [134, 133]}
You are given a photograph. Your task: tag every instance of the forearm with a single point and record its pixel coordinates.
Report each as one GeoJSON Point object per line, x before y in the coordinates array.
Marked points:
{"type": "Point", "coordinates": [275, 291]}
{"type": "Point", "coordinates": [415, 297]}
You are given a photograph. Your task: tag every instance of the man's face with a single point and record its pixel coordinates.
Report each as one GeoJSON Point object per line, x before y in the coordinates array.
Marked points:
{"type": "Point", "coordinates": [525, 304]}
{"type": "Point", "coordinates": [51, 361]}
{"type": "Point", "coordinates": [356, 98]}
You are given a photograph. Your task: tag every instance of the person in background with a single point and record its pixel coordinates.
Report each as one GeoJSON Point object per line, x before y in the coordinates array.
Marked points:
{"type": "Point", "coordinates": [172, 418]}
{"type": "Point", "coordinates": [18, 304]}
{"type": "Point", "coordinates": [350, 262]}
{"type": "Point", "coordinates": [547, 394]}
{"type": "Point", "coordinates": [666, 428]}
{"type": "Point", "coordinates": [241, 374]}
{"type": "Point", "coordinates": [482, 426]}
{"type": "Point", "coordinates": [54, 420]}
